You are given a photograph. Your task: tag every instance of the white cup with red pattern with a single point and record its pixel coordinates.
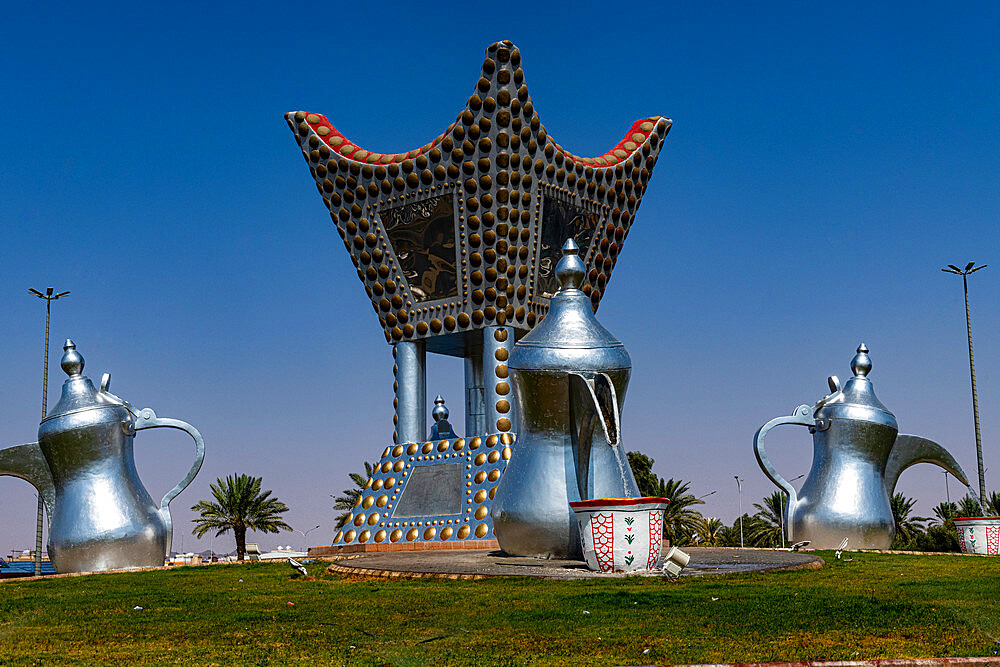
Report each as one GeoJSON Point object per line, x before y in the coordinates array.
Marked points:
{"type": "Point", "coordinates": [979, 534]}
{"type": "Point", "coordinates": [621, 534]}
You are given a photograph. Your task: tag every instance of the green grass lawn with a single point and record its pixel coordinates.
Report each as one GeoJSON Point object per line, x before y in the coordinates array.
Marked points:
{"type": "Point", "coordinates": [876, 606]}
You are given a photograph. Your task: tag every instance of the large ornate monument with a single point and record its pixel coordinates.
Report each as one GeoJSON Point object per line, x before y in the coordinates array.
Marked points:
{"type": "Point", "coordinates": [100, 515]}
{"type": "Point", "coordinates": [456, 243]}
{"type": "Point", "coordinates": [857, 459]}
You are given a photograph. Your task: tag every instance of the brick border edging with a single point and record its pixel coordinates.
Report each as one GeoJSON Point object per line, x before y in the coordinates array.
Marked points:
{"type": "Point", "coordinates": [397, 574]}
{"type": "Point", "coordinates": [336, 568]}
{"type": "Point", "coordinates": [898, 662]}
{"type": "Point", "coordinates": [326, 550]}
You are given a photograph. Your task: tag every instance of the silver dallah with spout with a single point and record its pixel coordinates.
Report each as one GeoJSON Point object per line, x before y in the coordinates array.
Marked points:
{"type": "Point", "coordinates": [570, 376]}
{"type": "Point", "coordinates": [100, 515]}
{"type": "Point", "coordinates": [857, 458]}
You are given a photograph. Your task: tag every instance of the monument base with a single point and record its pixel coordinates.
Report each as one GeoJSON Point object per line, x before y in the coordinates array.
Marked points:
{"type": "Point", "coordinates": [435, 493]}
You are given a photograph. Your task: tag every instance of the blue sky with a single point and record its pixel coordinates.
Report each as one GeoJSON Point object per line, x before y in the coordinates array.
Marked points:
{"type": "Point", "coordinates": [824, 164]}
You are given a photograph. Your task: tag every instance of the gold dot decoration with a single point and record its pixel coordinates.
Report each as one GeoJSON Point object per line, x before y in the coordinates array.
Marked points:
{"type": "Point", "coordinates": [480, 459]}
{"type": "Point", "coordinates": [396, 467]}
{"type": "Point", "coordinates": [339, 536]}
{"type": "Point", "coordinates": [482, 529]}
{"type": "Point", "coordinates": [493, 457]}
{"type": "Point", "coordinates": [349, 535]}
{"type": "Point", "coordinates": [447, 532]}
{"type": "Point", "coordinates": [481, 512]}
{"type": "Point", "coordinates": [412, 534]}
{"type": "Point", "coordinates": [500, 164]}
{"type": "Point", "coordinates": [380, 535]}
{"type": "Point", "coordinates": [363, 536]}
{"type": "Point", "coordinates": [503, 424]}
{"type": "Point", "coordinates": [494, 474]}
{"type": "Point", "coordinates": [381, 500]}
{"type": "Point", "coordinates": [480, 477]}
{"type": "Point", "coordinates": [507, 451]}
{"type": "Point", "coordinates": [480, 496]}
{"type": "Point", "coordinates": [373, 518]}
{"type": "Point", "coordinates": [396, 451]}
{"type": "Point", "coordinates": [386, 453]}
{"type": "Point", "coordinates": [391, 481]}
{"type": "Point", "coordinates": [367, 502]}
{"type": "Point", "coordinates": [463, 532]}
{"type": "Point", "coordinates": [377, 484]}
{"type": "Point", "coordinates": [458, 445]}
{"type": "Point", "coordinates": [443, 446]}
{"type": "Point", "coordinates": [429, 532]}
{"type": "Point", "coordinates": [475, 443]}
{"type": "Point", "coordinates": [412, 448]}
{"type": "Point", "coordinates": [395, 535]}
{"type": "Point", "coordinates": [427, 448]}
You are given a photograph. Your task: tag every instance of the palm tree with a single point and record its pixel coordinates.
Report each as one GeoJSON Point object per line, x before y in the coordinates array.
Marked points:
{"type": "Point", "coordinates": [907, 527]}
{"type": "Point", "coordinates": [711, 531]}
{"type": "Point", "coordinates": [642, 470]}
{"type": "Point", "coordinates": [968, 506]}
{"type": "Point", "coordinates": [351, 498]}
{"type": "Point", "coordinates": [240, 506]}
{"type": "Point", "coordinates": [679, 521]}
{"type": "Point", "coordinates": [945, 512]}
{"type": "Point", "coordinates": [766, 529]}
{"type": "Point", "coordinates": [993, 504]}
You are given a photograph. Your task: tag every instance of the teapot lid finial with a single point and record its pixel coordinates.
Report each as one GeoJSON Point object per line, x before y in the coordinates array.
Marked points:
{"type": "Point", "coordinates": [72, 361]}
{"type": "Point", "coordinates": [861, 364]}
{"type": "Point", "coordinates": [440, 411]}
{"type": "Point", "coordinates": [570, 270]}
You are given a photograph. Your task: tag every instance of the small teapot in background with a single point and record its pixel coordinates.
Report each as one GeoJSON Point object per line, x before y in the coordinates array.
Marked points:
{"type": "Point", "coordinates": [857, 458]}
{"type": "Point", "coordinates": [100, 515]}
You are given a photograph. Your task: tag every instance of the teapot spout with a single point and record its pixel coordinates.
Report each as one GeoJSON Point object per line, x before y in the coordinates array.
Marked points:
{"type": "Point", "coordinates": [909, 450]}
{"type": "Point", "coordinates": [28, 463]}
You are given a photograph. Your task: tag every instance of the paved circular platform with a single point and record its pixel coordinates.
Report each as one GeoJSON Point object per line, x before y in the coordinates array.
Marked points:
{"type": "Point", "coordinates": [479, 563]}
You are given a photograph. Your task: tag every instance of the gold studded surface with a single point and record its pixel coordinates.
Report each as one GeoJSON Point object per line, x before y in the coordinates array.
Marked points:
{"type": "Point", "coordinates": [514, 194]}
{"type": "Point", "coordinates": [482, 461]}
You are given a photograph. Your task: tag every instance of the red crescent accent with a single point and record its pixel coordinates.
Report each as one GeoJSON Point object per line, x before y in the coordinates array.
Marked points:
{"type": "Point", "coordinates": [335, 139]}
{"type": "Point", "coordinates": [617, 502]}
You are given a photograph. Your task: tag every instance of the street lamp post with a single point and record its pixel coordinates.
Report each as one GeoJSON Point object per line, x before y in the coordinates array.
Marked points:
{"type": "Point", "coordinates": [305, 534]}
{"type": "Point", "coordinates": [49, 297]}
{"type": "Point", "coordinates": [972, 368]}
{"type": "Point", "coordinates": [739, 488]}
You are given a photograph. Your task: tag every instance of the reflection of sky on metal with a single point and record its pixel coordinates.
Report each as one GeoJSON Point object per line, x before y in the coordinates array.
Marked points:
{"type": "Point", "coordinates": [820, 172]}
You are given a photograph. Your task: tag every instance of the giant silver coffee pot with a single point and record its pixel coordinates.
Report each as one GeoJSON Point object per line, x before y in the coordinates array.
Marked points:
{"type": "Point", "coordinates": [100, 515]}
{"type": "Point", "coordinates": [857, 458]}
{"type": "Point", "coordinates": [570, 376]}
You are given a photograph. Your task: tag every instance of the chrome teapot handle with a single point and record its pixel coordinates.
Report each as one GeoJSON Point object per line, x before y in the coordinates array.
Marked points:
{"type": "Point", "coordinates": [803, 416]}
{"type": "Point", "coordinates": [146, 418]}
